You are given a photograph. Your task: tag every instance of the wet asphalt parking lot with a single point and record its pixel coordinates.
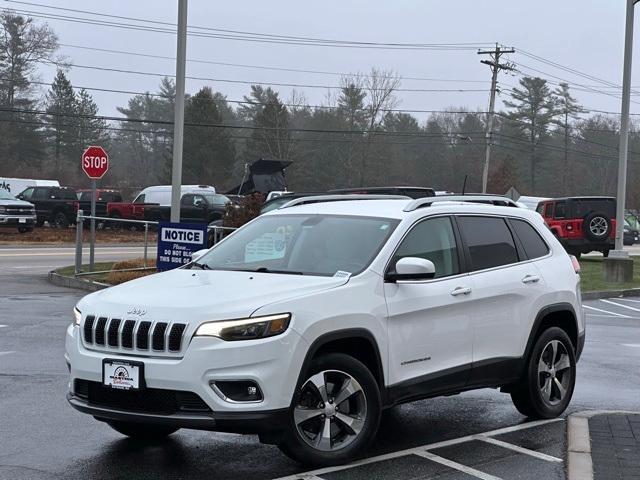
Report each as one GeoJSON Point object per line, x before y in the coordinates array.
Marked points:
{"type": "Point", "coordinates": [473, 435]}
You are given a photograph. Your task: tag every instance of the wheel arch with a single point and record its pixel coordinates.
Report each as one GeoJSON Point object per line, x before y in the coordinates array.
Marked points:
{"type": "Point", "coordinates": [560, 315]}
{"type": "Point", "coordinates": [356, 342]}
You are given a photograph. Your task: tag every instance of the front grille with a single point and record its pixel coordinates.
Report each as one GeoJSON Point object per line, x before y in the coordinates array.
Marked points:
{"type": "Point", "coordinates": [158, 336]}
{"type": "Point", "coordinates": [148, 400]}
{"type": "Point", "coordinates": [20, 210]}
{"type": "Point", "coordinates": [143, 335]}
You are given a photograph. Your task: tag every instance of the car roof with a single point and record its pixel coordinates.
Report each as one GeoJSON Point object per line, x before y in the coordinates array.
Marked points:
{"type": "Point", "coordinates": [395, 208]}
{"type": "Point", "coordinates": [577, 198]}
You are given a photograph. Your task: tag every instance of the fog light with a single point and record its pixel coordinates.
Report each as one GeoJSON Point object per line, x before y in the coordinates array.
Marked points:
{"type": "Point", "coordinates": [238, 390]}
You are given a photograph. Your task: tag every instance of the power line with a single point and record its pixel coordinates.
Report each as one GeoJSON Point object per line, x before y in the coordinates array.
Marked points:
{"type": "Point", "coordinates": [252, 82]}
{"type": "Point", "coordinates": [264, 67]}
{"type": "Point", "coordinates": [240, 32]}
{"type": "Point", "coordinates": [250, 37]}
{"type": "Point", "coordinates": [233, 127]}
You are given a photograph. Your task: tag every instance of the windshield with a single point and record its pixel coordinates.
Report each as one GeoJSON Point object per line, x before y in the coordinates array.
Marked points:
{"type": "Point", "coordinates": [4, 195]}
{"type": "Point", "coordinates": [302, 244]}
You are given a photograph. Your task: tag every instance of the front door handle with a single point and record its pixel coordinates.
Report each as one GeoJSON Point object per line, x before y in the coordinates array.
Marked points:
{"type": "Point", "coordinates": [461, 291]}
{"type": "Point", "coordinates": [531, 279]}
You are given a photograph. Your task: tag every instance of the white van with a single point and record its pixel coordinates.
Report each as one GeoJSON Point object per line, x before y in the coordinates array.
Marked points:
{"type": "Point", "coordinates": [161, 194]}
{"type": "Point", "coordinates": [17, 185]}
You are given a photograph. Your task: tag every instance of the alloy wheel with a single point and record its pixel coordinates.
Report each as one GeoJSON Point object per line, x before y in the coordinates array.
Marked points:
{"type": "Point", "coordinates": [331, 410]}
{"type": "Point", "coordinates": [598, 226]}
{"type": "Point", "coordinates": [554, 372]}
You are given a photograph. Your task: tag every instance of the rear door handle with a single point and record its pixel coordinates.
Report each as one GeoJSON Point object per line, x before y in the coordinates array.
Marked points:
{"type": "Point", "coordinates": [461, 291]}
{"type": "Point", "coordinates": [531, 279]}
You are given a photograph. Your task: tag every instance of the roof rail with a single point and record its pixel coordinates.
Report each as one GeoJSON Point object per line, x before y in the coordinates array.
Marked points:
{"type": "Point", "coordinates": [497, 200]}
{"type": "Point", "coordinates": [340, 198]}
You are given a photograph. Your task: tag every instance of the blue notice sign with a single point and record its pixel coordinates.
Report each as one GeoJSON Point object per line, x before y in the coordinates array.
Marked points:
{"type": "Point", "coordinates": [176, 243]}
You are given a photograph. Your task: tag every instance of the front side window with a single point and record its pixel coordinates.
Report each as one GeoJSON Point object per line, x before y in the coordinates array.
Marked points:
{"type": "Point", "coordinates": [42, 194]}
{"type": "Point", "coordinates": [433, 240]}
{"type": "Point", "coordinates": [139, 198]}
{"type": "Point", "coordinates": [489, 241]}
{"type": "Point", "coordinates": [534, 245]}
{"type": "Point", "coordinates": [323, 245]}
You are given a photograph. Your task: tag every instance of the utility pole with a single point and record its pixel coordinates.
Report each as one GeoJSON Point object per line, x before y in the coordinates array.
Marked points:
{"type": "Point", "coordinates": [178, 117]}
{"type": "Point", "coordinates": [496, 66]}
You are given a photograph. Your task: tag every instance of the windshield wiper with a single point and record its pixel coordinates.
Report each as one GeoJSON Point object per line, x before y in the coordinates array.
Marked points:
{"type": "Point", "coordinates": [269, 270]}
{"type": "Point", "coordinates": [201, 266]}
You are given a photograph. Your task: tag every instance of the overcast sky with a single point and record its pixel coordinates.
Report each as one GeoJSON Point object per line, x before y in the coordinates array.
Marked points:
{"type": "Point", "coordinates": [586, 35]}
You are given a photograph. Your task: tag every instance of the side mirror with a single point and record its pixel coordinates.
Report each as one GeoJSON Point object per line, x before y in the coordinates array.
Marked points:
{"type": "Point", "coordinates": [196, 255]}
{"type": "Point", "coordinates": [412, 268]}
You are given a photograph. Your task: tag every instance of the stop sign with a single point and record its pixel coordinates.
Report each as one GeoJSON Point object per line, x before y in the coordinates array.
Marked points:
{"type": "Point", "coordinates": [95, 162]}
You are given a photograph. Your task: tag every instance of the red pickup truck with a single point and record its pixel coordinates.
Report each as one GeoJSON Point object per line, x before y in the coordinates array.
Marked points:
{"type": "Point", "coordinates": [128, 211]}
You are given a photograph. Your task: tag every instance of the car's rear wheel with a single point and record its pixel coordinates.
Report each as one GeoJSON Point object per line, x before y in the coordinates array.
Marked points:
{"type": "Point", "coordinates": [59, 220]}
{"type": "Point", "coordinates": [141, 431]}
{"type": "Point", "coordinates": [547, 387]}
{"type": "Point", "coordinates": [335, 412]}
{"type": "Point", "coordinates": [25, 229]}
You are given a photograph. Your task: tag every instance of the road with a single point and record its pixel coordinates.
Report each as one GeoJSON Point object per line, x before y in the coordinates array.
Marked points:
{"type": "Point", "coordinates": [43, 438]}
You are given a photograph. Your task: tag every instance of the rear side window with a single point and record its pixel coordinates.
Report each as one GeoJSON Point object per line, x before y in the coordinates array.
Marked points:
{"type": "Point", "coordinates": [489, 240]}
{"type": "Point", "coordinates": [548, 210]}
{"type": "Point", "coordinates": [561, 210]}
{"type": "Point", "coordinates": [534, 245]}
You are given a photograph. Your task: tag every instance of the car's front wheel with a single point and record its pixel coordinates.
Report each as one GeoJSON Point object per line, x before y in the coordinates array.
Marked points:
{"type": "Point", "coordinates": [335, 412]}
{"type": "Point", "coordinates": [547, 387]}
{"type": "Point", "coordinates": [141, 431]}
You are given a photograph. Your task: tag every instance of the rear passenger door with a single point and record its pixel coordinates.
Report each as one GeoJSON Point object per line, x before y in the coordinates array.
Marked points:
{"type": "Point", "coordinates": [505, 287]}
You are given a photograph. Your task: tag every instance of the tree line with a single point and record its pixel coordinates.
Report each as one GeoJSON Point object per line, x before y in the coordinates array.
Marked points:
{"type": "Point", "coordinates": [544, 143]}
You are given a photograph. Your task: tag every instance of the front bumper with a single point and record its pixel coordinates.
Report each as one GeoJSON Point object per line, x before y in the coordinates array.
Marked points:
{"type": "Point", "coordinates": [231, 422]}
{"type": "Point", "coordinates": [273, 363]}
{"type": "Point", "coordinates": [17, 220]}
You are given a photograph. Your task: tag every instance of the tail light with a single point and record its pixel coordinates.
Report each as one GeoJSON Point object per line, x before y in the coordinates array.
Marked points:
{"type": "Point", "coordinates": [76, 206]}
{"type": "Point", "coordinates": [569, 227]}
{"type": "Point", "coordinates": [575, 263]}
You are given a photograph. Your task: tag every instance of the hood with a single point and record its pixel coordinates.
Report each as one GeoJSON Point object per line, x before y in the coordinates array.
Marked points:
{"type": "Point", "coordinates": [199, 295]}
{"type": "Point", "coordinates": [16, 203]}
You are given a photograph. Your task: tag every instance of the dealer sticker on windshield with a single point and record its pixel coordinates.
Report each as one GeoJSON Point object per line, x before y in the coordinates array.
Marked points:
{"type": "Point", "coordinates": [121, 375]}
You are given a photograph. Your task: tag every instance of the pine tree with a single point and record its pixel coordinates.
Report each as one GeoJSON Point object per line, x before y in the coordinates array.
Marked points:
{"type": "Point", "coordinates": [61, 123]}
{"type": "Point", "coordinates": [533, 109]}
{"type": "Point", "coordinates": [209, 153]}
{"type": "Point", "coordinates": [568, 109]}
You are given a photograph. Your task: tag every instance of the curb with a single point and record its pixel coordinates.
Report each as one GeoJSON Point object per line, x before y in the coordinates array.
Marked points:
{"type": "Point", "coordinates": [73, 282]}
{"type": "Point", "coordinates": [631, 292]}
{"type": "Point", "coordinates": [579, 462]}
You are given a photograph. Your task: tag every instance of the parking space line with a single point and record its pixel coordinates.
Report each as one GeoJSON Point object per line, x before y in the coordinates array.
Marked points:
{"type": "Point", "coordinates": [621, 305]}
{"type": "Point", "coordinates": [614, 314]}
{"type": "Point", "coordinates": [6, 353]}
{"type": "Point", "coordinates": [457, 466]}
{"type": "Point", "coordinates": [628, 300]}
{"type": "Point", "coordinates": [423, 448]}
{"type": "Point", "coordinates": [519, 449]}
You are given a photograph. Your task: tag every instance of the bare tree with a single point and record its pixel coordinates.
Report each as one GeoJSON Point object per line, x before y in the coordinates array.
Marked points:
{"type": "Point", "coordinates": [380, 86]}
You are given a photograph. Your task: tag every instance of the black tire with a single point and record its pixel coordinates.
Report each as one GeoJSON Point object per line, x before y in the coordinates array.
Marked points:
{"type": "Point", "coordinates": [39, 222]}
{"type": "Point", "coordinates": [528, 396]}
{"type": "Point", "coordinates": [596, 226]}
{"type": "Point", "coordinates": [605, 252]}
{"type": "Point", "coordinates": [25, 229]}
{"type": "Point", "coordinates": [59, 220]}
{"type": "Point", "coordinates": [114, 224]}
{"type": "Point", "coordinates": [298, 448]}
{"type": "Point", "coordinates": [141, 431]}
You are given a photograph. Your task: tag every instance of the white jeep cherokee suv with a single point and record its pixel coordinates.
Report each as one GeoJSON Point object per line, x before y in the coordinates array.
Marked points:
{"type": "Point", "coordinates": [303, 325]}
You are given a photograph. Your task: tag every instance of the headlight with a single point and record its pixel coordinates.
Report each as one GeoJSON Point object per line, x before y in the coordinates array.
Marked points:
{"type": "Point", "coordinates": [246, 328]}
{"type": "Point", "coordinates": [78, 315]}
{"type": "Point", "coordinates": [3, 209]}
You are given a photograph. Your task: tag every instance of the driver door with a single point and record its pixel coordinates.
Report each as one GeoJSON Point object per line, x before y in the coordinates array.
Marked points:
{"type": "Point", "coordinates": [429, 328]}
